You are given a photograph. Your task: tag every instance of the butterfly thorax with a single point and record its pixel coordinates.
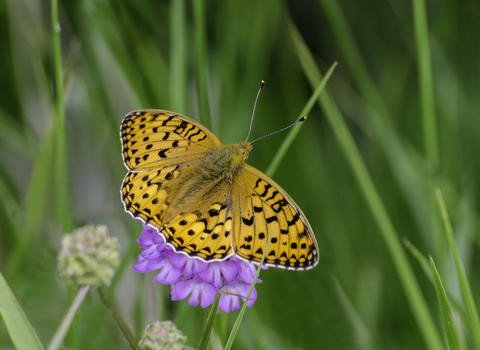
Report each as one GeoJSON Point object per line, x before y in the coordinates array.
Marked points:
{"type": "Point", "coordinates": [226, 160]}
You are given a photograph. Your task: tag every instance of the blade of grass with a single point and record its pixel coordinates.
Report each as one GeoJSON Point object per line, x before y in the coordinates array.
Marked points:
{"type": "Point", "coordinates": [202, 64]}
{"type": "Point", "coordinates": [207, 331]}
{"type": "Point", "coordinates": [459, 268]}
{"type": "Point", "coordinates": [178, 58]}
{"type": "Point", "coordinates": [21, 332]}
{"type": "Point", "coordinates": [423, 261]}
{"type": "Point", "coordinates": [426, 84]}
{"type": "Point", "coordinates": [60, 334]}
{"type": "Point", "coordinates": [38, 194]}
{"type": "Point", "coordinates": [63, 208]}
{"type": "Point", "coordinates": [410, 179]}
{"type": "Point", "coordinates": [448, 321]}
{"type": "Point", "coordinates": [345, 140]}
{"type": "Point", "coordinates": [287, 142]}
{"type": "Point", "coordinates": [236, 326]}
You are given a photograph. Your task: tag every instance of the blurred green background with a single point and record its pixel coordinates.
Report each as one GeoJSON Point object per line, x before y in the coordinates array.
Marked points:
{"type": "Point", "coordinates": [119, 56]}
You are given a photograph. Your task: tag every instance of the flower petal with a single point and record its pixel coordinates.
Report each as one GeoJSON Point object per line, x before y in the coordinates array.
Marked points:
{"type": "Point", "coordinates": [195, 289]}
{"type": "Point", "coordinates": [168, 273]}
{"type": "Point", "coordinates": [217, 269]}
{"type": "Point", "coordinates": [232, 302]}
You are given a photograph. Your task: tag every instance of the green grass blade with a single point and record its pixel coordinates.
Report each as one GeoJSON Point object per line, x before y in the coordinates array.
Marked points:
{"type": "Point", "coordinates": [236, 326]}
{"type": "Point", "coordinates": [178, 58]}
{"type": "Point", "coordinates": [287, 142]}
{"type": "Point", "coordinates": [202, 63]}
{"type": "Point", "coordinates": [19, 328]}
{"type": "Point", "coordinates": [459, 268]}
{"type": "Point", "coordinates": [424, 264]}
{"type": "Point", "coordinates": [207, 331]}
{"type": "Point", "coordinates": [448, 321]}
{"type": "Point", "coordinates": [410, 178]}
{"type": "Point", "coordinates": [38, 194]}
{"type": "Point", "coordinates": [426, 84]}
{"type": "Point", "coordinates": [345, 140]}
{"type": "Point", "coordinates": [60, 334]}
{"type": "Point", "coordinates": [422, 260]}
{"type": "Point", "coordinates": [345, 39]}
{"type": "Point", "coordinates": [63, 208]}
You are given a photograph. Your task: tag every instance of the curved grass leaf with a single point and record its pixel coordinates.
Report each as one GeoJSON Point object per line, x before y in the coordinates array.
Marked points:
{"type": "Point", "coordinates": [448, 321]}
{"type": "Point", "coordinates": [21, 332]}
{"type": "Point", "coordinates": [461, 275]}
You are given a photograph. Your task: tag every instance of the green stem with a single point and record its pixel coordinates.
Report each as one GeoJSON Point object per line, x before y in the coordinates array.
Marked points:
{"type": "Point", "coordinates": [118, 318]}
{"type": "Point", "coordinates": [202, 64]}
{"type": "Point", "coordinates": [209, 325]}
{"type": "Point", "coordinates": [236, 326]}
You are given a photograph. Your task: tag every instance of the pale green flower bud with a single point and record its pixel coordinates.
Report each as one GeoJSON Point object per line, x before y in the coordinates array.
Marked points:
{"type": "Point", "coordinates": [162, 335]}
{"type": "Point", "coordinates": [88, 256]}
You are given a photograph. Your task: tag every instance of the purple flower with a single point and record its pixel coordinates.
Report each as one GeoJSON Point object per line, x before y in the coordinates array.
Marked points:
{"type": "Point", "coordinates": [230, 301]}
{"type": "Point", "coordinates": [196, 278]}
{"type": "Point", "coordinates": [195, 288]}
{"type": "Point", "coordinates": [217, 269]}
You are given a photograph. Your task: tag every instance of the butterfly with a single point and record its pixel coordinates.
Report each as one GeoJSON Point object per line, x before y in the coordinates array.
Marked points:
{"type": "Point", "coordinates": [202, 197]}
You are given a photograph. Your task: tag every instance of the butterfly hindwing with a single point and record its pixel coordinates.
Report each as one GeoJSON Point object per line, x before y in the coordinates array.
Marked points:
{"type": "Point", "coordinates": [154, 138]}
{"type": "Point", "coordinates": [205, 230]}
{"type": "Point", "coordinates": [261, 207]}
{"type": "Point", "coordinates": [146, 194]}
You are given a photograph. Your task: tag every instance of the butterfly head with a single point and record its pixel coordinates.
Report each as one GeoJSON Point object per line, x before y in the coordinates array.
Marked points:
{"type": "Point", "coordinates": [245, 148]}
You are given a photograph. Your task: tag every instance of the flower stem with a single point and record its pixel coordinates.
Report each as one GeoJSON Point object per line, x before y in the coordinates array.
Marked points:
{"type": "Point", "coordinates": [236, 326]}
{"type": "Point", "coordinates": [116, 315]}
{"type": "Point", "coordinates": [208, 326]}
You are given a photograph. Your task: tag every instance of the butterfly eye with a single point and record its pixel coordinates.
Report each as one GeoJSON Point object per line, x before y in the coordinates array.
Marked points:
{"type": "Point", "coordinates": [245, 154]}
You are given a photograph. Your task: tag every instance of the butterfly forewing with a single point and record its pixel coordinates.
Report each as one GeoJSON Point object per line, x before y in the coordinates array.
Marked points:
{"type": "Point", "coordinates": [155, 138]}
{"type": "Point", "coordinates": [260, 207]}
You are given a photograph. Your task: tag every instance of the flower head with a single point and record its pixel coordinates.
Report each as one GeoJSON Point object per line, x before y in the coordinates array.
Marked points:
{"type": "Point", "coordinates": [194, 278]}
{"type": "Point", "coordinates": [162, 335]}
{"type": "Point", "coordinates": [88, 256]}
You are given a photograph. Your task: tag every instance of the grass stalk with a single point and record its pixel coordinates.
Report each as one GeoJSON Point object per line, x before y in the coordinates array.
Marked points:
{"type": "Point", "coordinates": [345, 140]}
{"type": "Point", "coordinates": [287, 142]}
{"type": "Point", "coordinates": [62, 204]}
{"type": "Point", "coordinates": [426, 84]}
{"type": "Point", "coordinates": [178, 57]}
{"type": "Point", "coordinates": [202, 62]}
{"type": "Point", "coordinates": [60, 334]}
{"type": "Point", "coordinates": [447, 316]}
{"type": "Point", "coordinates": [461, 274]}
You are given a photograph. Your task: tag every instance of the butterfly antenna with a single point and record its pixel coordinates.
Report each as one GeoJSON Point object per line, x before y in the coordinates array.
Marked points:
{"type": "Point", "coordinates": [302, 119]}
{"type": "Point", "coordinates": [254, 106]}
